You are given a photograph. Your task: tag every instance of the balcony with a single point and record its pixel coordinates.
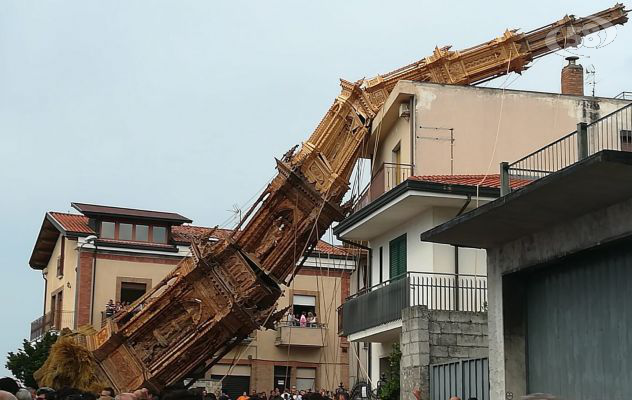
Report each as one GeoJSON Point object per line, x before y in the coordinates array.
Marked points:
{"type": "Point", "coordinates": [52, 322]}
{"type": "Point", "coordinates": [611, 132]}
{"type": "Point", "coordinates": [297, 336]}
{"type": "Point", "coordinates": [383, 303]}
{"type": "Point", "coordinates": [385, 178]}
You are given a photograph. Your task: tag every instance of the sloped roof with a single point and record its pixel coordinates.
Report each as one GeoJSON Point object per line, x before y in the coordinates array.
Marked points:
{"type": "Point", "coordinates": [91, 210]}
{"type": "Point", "coordinates": [72, 222]}
{"type": "Point", "coordinates": [77, 225]}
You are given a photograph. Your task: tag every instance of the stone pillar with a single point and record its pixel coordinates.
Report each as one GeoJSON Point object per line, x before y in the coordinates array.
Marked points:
{"type": "Point", "coordinates": [496, 331]}
{"type": "Point", "coordinates": [415, 348]}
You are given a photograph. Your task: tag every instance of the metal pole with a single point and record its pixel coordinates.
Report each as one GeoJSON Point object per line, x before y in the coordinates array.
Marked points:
{"type": "Point", "coordinates": [505, 189]}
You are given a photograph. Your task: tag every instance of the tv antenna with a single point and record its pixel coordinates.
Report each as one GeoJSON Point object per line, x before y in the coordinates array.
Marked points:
{"type": "Point", "coordinates": [591, 75]}
{"type": "Point", "coordinates": [236, 211]}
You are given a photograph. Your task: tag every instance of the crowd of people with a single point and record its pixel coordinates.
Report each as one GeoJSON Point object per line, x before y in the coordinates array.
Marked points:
{"type": "Point", "coordinates": [10, 390]}
{"type": "Point", "coordinates": [291, 394]}
{"type": "Point", "coordinates": [112, 308]}
{"type": "Point", "coordinates": [304, 320]}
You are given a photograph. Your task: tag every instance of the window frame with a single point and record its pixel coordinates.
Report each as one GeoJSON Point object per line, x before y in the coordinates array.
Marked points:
{"type": "Point", "coordinates": [134, 238]}
{"type": "Point", "coordinates": [126, 279]}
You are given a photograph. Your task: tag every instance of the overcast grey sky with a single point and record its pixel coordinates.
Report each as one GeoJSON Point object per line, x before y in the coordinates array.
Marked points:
{"type": "Point", "coordinates": [182, 105]}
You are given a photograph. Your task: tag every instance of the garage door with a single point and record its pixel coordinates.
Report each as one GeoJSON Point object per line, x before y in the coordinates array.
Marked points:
{"type": "Point", "coordinates": [580, 326]}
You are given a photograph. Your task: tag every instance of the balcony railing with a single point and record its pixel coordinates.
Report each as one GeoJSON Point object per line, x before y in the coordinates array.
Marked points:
{"type": "Point", "coordinates": [52, 321]}
{"type": "Point", "coordinates": [383, 303]}
{"type": "Point", "coordinates": [612, 132]}
{"type": "Point", "coordinates": [289, 334]}
{"type": "Point", "coordinates": [385, 178]}
{"type": "Point", "coordinates": [624, 96]}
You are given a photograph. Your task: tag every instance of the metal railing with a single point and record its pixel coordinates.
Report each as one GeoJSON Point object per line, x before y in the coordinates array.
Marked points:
{"type": "Point", "coordinates": [383, 303]}
{"type": "Point", "coordinates": [384, 179]}
{"type": "Point", "coordinates": [612, 132]}
{"type": "Point", "coordinates": [52, 321]}
{"type": "Point", "coordinates": [624, 96]}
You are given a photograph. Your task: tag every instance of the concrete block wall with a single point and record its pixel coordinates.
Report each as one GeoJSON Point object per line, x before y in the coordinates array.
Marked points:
{"type": "Point", "coordinates": [457, 335]}
{"type": "Point", "coordinates": [434, 337]}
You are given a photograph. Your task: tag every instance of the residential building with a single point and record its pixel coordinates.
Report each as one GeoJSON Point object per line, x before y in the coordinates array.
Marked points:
{"type": "Point", "coordinates": [407, 274]}
{"type": "Point", "coordinates": [105, 253]}
{"type": "Point", "coordinates": [435, 151]}
{"type": "Point", "coordinates": [559, 269]}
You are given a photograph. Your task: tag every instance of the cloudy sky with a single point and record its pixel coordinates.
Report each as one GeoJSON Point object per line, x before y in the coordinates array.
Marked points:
{"type": "Point", "coordinates": [182, 105]}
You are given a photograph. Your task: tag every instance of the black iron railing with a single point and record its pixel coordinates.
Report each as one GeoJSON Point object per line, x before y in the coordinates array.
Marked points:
{"type": "Point", "coordinates": [383, 303]}
{"type": "Point", "coordinates": [612, 132]}
{"type": "Point", "coordinates": [384, 179]}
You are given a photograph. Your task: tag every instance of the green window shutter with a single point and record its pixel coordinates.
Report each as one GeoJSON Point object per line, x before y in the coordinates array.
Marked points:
{"type": "Point", "coordinates": [397, 257]}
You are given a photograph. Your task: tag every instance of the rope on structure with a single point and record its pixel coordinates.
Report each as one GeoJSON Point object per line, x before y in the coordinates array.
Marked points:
{"type": "Point", "coordinates": [500, 116]}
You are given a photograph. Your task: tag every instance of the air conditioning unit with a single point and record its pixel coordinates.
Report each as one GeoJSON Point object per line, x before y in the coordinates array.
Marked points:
{"type": "Point", "coordinates": [404, 110]}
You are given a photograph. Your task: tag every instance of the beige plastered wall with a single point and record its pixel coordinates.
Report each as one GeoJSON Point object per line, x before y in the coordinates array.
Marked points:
{"type": "Point", "coordinates": [65, 283]}
{"type": "Point", "coordinates": [489, 125]}
{"type": "Point", "coordinates": [330, 358]}
{"type": "Point", "coordinates": [107, 272]}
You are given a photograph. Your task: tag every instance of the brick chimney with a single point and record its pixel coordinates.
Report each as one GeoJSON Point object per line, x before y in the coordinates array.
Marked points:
{"type": "Point", "coordinates": [573, 77]}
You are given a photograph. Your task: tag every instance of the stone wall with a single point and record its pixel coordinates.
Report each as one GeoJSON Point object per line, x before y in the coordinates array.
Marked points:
{"type": "Point", "coordinates": [434, 337]}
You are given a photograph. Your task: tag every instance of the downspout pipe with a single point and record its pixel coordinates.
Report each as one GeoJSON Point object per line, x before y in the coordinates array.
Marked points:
{"type": "Point", "coordinates": [94, 281]}
{"type": "Point", "coordinates": [45, 291]}
{"type": "Point", "coordinates": [456, 256]}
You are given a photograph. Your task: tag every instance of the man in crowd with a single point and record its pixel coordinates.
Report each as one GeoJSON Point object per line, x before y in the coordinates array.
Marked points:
{"type": "Point", "coordinates": [9, 385]}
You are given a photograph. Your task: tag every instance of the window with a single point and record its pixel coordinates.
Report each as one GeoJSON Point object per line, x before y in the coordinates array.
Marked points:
{"type": "Point", "coordinates": [304, 304]}
{"type": "Point", "coordinates": [305, 378]}
{"type": "Point", "coordinates": [626, 139]}
{"type": "Point", "coordinates": [125, 232]}
{"type": "Point", "coordinates": [159, 234]}
{"type": "Point", "coordinates": [133, 232]}
{"type": "Point", "coordinates": [397, 259]}
{"type": "Point", "coordinates": [56, 308]}
{"type": "Point", "coordinates": [60, 259]}
{"type": "Point", "coordinates": [107, 230]}
{"type": "Point", "coordinates": [132, 291]}
{"type": "Point", "coordinates": [142, 233]}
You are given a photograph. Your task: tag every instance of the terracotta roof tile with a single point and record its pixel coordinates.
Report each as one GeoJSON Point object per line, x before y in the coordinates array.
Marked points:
{"type": "Point", "coordinates": [72, 222]}
{"type": "Point", "coordinates": [490, 181]}
{"type": "Point", "coordinates": [327, 248]}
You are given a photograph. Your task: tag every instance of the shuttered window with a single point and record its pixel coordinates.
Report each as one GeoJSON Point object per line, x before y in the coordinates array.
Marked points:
{"type": "Point", "coordinates": [397, 259]}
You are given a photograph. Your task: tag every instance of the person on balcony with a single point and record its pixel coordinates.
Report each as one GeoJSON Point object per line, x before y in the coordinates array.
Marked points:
{"type": "Point", "coordinates": [303, 320]}
{"type": "Point", "coordinates": [109, 309]}
{"type": "Point", "coordinates": [311, 319]}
